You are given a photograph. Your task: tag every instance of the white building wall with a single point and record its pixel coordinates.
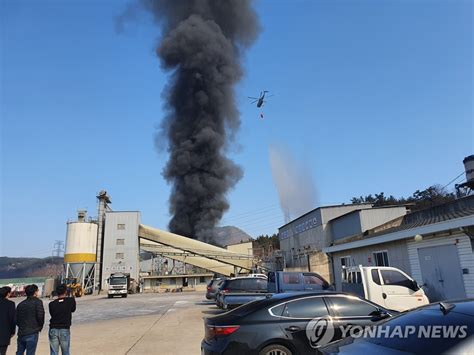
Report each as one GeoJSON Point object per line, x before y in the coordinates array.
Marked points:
{"type": "Point", "coordinates": [124, 226]}
{"type": "Point", "coordinates": [465, 253]}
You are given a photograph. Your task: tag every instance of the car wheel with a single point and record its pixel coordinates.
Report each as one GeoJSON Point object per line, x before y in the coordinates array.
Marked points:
{"type": "Point", "coordinates": [275, 349]}
{"type": "Point", "coordinates": [109, 296]}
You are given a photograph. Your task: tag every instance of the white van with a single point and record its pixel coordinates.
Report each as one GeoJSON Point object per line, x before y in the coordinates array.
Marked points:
{"type": "Point", "coordinates": [387, 286]}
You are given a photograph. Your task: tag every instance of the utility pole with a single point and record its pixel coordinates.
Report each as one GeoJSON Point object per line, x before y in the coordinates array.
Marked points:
{"type": "Point", "coordinates": [58, 248]}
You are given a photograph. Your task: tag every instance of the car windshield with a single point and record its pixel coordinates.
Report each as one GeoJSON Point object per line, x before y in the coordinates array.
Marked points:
{"type": "Point", "coordinates": [425, 337]}
{"type": "Point", "coordinates": [118, 281]}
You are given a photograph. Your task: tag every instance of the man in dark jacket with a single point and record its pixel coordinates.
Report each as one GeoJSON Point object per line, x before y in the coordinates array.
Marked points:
{"type": "Point", "coordinates": [61, 310]}
{"type": "Point", "coordinates": [7, 319]}
{"type": "Point", "coordinates": [30, 320]}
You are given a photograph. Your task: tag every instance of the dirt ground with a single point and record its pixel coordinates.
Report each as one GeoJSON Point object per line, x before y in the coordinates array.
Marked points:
{"type": "Point", "coordinates": [169, 323]}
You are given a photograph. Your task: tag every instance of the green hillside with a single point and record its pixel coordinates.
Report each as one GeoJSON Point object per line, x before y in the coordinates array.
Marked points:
{"type": "Point", "coordinates": [11, 268]}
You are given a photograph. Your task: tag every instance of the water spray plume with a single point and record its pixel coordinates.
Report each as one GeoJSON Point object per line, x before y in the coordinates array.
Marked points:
{"type": "Point", "coordinates": [293, 181]}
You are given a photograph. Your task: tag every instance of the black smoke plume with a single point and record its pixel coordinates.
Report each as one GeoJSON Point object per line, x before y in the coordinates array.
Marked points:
{"type": "Point", "coordinates": [201, 46]}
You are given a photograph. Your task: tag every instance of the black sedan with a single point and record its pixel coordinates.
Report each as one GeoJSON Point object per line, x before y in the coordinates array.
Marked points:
{"type": "Point", "coordinates": [286, 324]}
{"type": "Point", "coordinates": [438, 328]}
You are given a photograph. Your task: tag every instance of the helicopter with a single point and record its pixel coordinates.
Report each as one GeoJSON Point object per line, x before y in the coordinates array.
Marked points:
{"type": "Point", "coordinates": [259, 100]}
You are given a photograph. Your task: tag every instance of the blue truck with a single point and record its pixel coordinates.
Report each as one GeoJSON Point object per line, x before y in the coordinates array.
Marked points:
{"type": "Point", "coordinates": [240, 290]}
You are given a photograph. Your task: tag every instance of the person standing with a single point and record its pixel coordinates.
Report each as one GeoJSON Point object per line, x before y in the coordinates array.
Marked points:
{"type": "Point", "coordinates": [30, 321]}
{"type": "Point", "coordinates": [61, 310]}
{"type": "Point", "coordinates": [7, 319]}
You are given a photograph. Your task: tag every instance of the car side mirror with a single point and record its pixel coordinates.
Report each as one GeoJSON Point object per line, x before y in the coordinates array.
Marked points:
{"type": "Point", "coordinates": [416, 287]}
{"type": "Point", "coordinates": [379, 314]}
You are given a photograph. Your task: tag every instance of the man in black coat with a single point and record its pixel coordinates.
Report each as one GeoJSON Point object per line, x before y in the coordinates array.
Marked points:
{"type": "Point", "coordinates": [7, 319]}
{"type": "Point", "coordinates": [61, 310]}
{"type": "Point", "coordinates": [30, 320]}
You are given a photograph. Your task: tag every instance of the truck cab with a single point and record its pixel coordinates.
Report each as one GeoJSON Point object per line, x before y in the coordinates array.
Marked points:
{"type": "Point", "coordinates": [118, 285]}
{"type": "Point", "coordinates": [387, 286]}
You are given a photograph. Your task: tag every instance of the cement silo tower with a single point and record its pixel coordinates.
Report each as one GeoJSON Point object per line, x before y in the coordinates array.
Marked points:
{"type": "Point", "coordinates": [80, 256]}
{"type": "Point", "coordinates": [467, 187]}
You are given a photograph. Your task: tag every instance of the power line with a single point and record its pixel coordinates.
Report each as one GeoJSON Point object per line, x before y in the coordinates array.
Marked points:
{"type": "Point", "coordinates": [255, 219]}
{"type": "Point", "coordinates": [259, 210]}
{"type": "Point", "coordinates": [453, 180]}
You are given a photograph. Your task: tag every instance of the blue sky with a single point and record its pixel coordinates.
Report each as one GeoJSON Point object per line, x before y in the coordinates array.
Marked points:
{"type": "Point", "coordinates": [370, 95]}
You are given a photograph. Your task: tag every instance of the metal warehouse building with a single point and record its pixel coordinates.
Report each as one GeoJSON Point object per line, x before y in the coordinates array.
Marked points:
{"type": "Point", "coordinates": [302, 240]}
{"type": "Point", "coordinates": [434, 246]}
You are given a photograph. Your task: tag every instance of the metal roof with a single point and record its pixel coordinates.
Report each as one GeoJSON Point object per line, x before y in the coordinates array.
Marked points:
{"type": "Point", "coordinates": [455, 214]}
{"type": "Point", "coordinates": [326, 207]}
{"type": "Point", "coordinates": [193, 251]}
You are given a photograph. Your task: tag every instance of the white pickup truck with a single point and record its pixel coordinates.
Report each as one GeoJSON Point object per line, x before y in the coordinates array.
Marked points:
{"type": "Point", "coordinates": [387, 286]}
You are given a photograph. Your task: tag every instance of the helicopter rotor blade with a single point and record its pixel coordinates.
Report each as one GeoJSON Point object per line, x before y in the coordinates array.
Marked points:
{"type": "Point", "coordinates": [253, 98]}
{"type": "Point", "coordinates": [254, 101]}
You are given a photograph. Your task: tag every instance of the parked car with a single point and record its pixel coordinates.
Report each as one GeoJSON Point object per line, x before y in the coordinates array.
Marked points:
{"type": "Point", "coordinates": [239, 290]}
{"type": "Point", "coordinates": [277, 324]}
{"type": "Point", "coordinates": [387, 286]}
{"type": "Point", "coordinates": [212, 288]}
{"type": "Point", "coordinates": [278, 282]}
{"type": "Point", "coordinates": [454, 314]}
{"type": "Point", "coordinates": [282, 281]}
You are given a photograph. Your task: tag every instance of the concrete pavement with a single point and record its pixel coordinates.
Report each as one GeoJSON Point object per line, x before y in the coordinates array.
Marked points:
{"type": "Point", "coordinates": [140, 324]}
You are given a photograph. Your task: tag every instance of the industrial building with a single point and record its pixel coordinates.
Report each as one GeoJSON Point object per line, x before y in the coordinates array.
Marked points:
{"type": "Point", "coordinates": [302, 240]}
{"type": "Point", "coordinates": [434, 245]}
{"type": "Point", "coordinates": [112, 243]}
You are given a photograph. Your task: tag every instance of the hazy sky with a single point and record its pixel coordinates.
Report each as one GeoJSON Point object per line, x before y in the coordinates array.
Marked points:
{"type": "Point", "coordinates": [370, 96]}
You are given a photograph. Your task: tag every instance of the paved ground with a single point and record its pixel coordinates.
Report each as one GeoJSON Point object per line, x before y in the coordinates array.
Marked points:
{"type": "Point", "coordinates": [169, 323]}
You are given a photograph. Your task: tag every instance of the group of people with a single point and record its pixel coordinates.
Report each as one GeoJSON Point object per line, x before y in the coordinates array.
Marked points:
{"type": "Point", "coordinates": [29, 317]}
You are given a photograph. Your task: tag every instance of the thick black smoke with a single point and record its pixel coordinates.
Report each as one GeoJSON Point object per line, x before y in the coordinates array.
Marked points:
{"type": "Point", "coordinates": [201, 46]}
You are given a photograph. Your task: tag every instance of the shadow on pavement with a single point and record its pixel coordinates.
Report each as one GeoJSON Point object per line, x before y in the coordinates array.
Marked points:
{"type": "Point", "coordinates": [213, 311]}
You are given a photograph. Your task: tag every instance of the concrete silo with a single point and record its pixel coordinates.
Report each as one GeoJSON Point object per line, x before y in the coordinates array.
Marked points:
{"type": "Point", "coordinates": [80, 256]}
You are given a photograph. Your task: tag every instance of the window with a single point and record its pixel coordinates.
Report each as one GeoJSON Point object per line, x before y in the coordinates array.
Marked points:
{"type": "Point", "coordinates": [291, 279]}
{"type": "Point", "coordinates": [351, 307]}
{"type": "Point", "coordinates": [381, 258]}
{"type": "Point", "coordinates": [345, 262]}
{"type": "Point", "coordinates": [253, 284]}
{"type": "Point", "coordinates": [120, 241]}
{"type": "Point", "coordinates": [232, 285]}
{"type": "Point", "coordinates": [120, 226]}
{"type": "Point", "coordinates": [395, 278]}
{"type": "Point", "coordinates": [278, 310]}
{"type": "Point", "coordinates": [262, 285]}
{"type": "Point", "coordinates": [312, 280]}
{"type": "Point", "coordinates": [306, 308]}
{"type": "Point", "coordinates": [375, 276]}
{"type": "Point", "coordinates": [118, 255]}
{"type": "Point", "coordinates": [202, 279]}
